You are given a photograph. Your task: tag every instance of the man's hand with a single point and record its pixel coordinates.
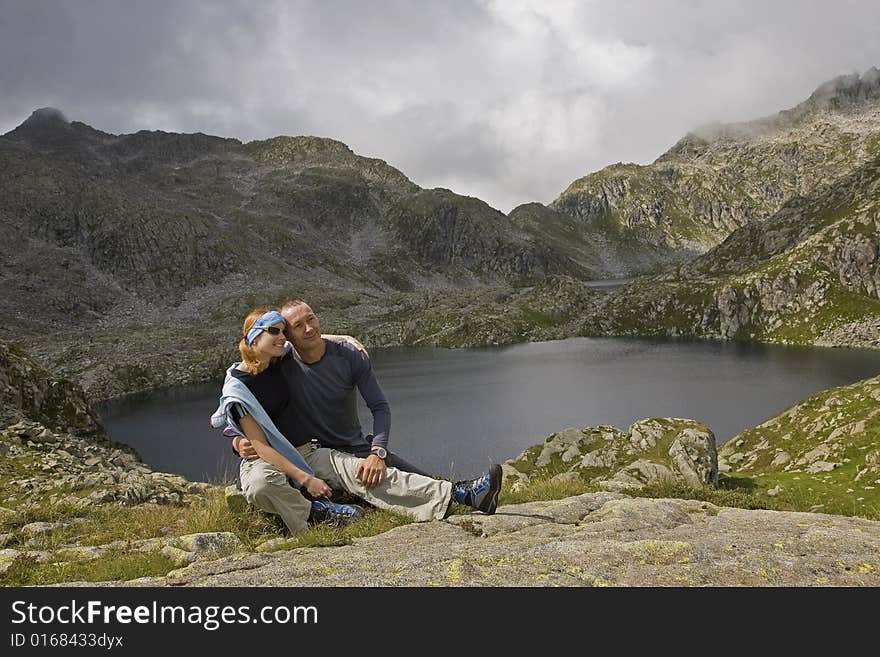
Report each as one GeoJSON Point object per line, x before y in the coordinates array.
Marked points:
{"type": "Point", "coordinates": [245, 448]}
{"type": "Point", "coordinates": [371, 471]}
{"type": "Point", "coordinates": [354, 342]}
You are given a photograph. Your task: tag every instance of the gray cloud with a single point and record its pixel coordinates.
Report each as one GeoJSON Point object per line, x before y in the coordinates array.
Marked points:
{"type": "Point", "coordinates": [507, 100]}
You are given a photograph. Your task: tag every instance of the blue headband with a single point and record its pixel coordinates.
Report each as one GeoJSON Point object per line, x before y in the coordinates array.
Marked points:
{"type": "Point", "coordinates": [267, 319]}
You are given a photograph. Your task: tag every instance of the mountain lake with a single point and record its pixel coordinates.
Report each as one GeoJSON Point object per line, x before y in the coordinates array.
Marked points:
{"type": "Point", "coordinates": [455, 410]}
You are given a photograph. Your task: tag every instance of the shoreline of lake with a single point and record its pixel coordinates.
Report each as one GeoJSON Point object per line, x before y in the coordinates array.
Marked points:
{"type": "Point", "coordinates": [454, 410]}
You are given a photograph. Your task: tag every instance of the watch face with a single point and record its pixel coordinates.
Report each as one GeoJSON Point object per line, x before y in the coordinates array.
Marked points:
{"type": "Point", "coordinates": [381, 452]}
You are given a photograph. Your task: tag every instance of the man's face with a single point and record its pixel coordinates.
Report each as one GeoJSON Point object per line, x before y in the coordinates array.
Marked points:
{"type": "Point", "coordinates": [303, 328]}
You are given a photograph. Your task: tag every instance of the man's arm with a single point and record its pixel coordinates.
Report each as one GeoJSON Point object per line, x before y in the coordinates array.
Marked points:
{"type": "Point", "coordinates": [372, 469]}
{"type": "Point", "coordinates": [375, 399]}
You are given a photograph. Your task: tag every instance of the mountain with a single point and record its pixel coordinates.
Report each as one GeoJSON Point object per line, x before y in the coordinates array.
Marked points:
{"type": "Point", "coordinates": [810, 274]}
{"type": "Point", "coordinates": [131, 227]}
{"type": "Point", "coordinates": [722, 177]}
{"type": "Point", "coordinates": [135, 256]}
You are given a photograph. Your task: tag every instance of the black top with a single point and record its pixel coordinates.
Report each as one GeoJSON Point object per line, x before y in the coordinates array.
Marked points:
{"type": "Point", "coordinates": [272, 390]}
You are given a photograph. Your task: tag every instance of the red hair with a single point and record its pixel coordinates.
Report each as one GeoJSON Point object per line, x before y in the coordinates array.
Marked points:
{"type": "Point", "coordinates": [249, 355]}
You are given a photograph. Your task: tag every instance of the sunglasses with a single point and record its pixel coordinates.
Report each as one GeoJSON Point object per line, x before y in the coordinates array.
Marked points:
{"type": "Point", "coordinates": [271, 330]}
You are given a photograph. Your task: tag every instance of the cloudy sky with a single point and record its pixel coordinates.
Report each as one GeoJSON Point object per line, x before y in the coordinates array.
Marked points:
{"type": "Point", "coordinates": [506, 100]}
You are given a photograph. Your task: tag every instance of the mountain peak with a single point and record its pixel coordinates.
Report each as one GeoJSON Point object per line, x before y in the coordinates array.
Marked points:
{"type": "Point", "coordinates": [842, 94]}
{"type": "Point", "coordinates": [46, 115]}
{"type": "Point", "coordinates": [48, 127]}
{"type": "Point", "coordinates": [43, 122]}
{"type": "Point", "coordinates": [849, 88]}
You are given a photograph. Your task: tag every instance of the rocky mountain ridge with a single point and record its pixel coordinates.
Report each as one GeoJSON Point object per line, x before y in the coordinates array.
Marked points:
{"type": "Point", "coordinates": [722, 177]}
{"type": "Point", "coordinates": [135, 256]}
{"type": "Point", "coordinates": [807, 275]}
{"type": "Point", "coordinates": [137, 225]}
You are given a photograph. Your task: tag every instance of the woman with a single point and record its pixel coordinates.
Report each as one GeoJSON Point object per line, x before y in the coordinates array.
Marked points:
{"type": "Point", "coordinates": [256, 401]}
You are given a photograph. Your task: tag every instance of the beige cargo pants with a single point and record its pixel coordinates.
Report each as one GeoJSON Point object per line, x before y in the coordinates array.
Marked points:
{"type": "Point", "coordinates": [419, 497]}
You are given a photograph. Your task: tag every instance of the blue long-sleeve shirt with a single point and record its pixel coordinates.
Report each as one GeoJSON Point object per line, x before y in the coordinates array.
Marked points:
{"type": "Point", "coordinates": [324, 398]}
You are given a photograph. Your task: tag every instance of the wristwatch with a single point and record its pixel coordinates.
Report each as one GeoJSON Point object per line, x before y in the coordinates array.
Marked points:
{"type": "Point", "coordinates": [381, 452]}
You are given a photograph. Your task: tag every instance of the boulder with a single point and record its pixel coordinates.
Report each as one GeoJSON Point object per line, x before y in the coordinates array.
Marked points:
{"type": "Point", "coordinates": [37, 529]}
{"type": "Point", "coordinates": [567, 443]}
{"type": "Point", "coordinates": [694, 457]}
{"type": "Point", "coordinates": [636, 475]}
{"type": "Point", "coordinates": [644, 434]}
{"type": "Point", "coordinates": [82, 553]}
{"type": "Point", "coordinates": [566, 477]}
{"type": "Point", "coordinates": [45, 436]}
{"type": "Point", "coordinates": [601, 458]}
{"type": "Point", "coordinates": [511, 476]}
{"type": "Point", "coordinates": [822, 466]}
{"type": "Point", "coordinates": [211, 544]}
{"type": "Point", "coordinates": [178, 556]}
{"type": "Point", "coordinates": [780, 459]}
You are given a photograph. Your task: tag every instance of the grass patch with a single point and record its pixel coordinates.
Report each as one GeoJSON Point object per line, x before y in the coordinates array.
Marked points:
{"type": "Point", "coordinates": [107, 523]}
{"type": "Point", "coordinates": [537, 318]}
{"type": "Point", "coordinates": [734, 493]}
{"type": "Point", "coordinates": [44, 513]}
{"type": "Point", "coordinates": [375, 522]}
{"type": "Point", "coordinates": [114, 565]}
{"type": "Point", "coordinates": [833, 492]}
{"type": "Point", "coordinates": [541, 489]}
{"type": "Point", "coordinates": [211, 514]}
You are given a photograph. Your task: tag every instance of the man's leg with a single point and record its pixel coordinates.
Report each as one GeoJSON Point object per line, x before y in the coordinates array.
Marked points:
{"type": "Point", "coordinates": [417, 496]}
{"type": "Point", "coordinates": [267, 488]}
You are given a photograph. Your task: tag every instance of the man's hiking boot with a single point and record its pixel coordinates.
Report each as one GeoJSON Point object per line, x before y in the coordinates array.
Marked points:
{"type": "Point", "coordinates": [337, 515]}
{"type": "Point", "coordinates": [480, 493]}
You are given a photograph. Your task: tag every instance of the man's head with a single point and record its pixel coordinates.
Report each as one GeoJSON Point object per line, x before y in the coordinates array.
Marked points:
{"type": "Point", "coordinates": [303, 328]}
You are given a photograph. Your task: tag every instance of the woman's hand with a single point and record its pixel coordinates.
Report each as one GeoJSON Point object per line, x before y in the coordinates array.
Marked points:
{"type": "Point", "coordinates": [316, 487]}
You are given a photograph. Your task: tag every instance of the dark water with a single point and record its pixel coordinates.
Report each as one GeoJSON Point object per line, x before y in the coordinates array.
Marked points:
{"type": "Point", "coordinates": [454, 411]}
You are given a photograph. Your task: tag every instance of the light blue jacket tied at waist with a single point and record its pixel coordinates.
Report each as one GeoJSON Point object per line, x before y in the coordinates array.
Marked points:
{"type": "Point", "coordinates": [236, 392]}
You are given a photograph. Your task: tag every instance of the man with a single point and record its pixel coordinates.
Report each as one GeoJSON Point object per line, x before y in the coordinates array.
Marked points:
{"type": "Point", "coordinates": [323, 392]}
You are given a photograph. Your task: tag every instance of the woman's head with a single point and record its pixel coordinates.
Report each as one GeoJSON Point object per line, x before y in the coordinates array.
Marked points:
{"type": "Point", "coordinates": [262, 339]}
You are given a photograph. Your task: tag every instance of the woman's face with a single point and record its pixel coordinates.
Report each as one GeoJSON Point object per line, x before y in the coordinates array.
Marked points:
{"type": "Point", "coordinates": [271, 346]}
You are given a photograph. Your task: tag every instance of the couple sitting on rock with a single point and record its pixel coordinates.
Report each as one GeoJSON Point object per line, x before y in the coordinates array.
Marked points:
{"type": "Point", "coordinates": [291, 410]}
